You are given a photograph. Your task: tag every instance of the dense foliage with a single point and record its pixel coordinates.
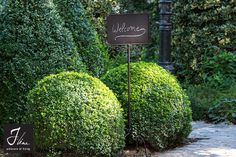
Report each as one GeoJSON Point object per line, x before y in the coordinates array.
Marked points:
{"type": "Point", "coordinates": [90, 47]}
{"type": "Point", "coordinates": [161, 114]}
{"type": "Point", "coordinates": [33, 43]}
{"type": "Point", "coordinates": [204, 97]}
{"type": "Point", "coordinates": [201, 30]}
{"type": "Point", "coordinates": [1, 5]}
{"type": "Point", "coordinates": [225, 111]}
{"type": "Point", "coordinates": [220, 70]}
{"type": "Point", "coordinates": [99, 10]}
{"type": "Point", "coordinates": [77, 112]}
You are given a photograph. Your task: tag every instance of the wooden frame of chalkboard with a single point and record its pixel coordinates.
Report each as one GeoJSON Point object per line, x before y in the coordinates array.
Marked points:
{"type": "Point", "coordinates": [123, 29]}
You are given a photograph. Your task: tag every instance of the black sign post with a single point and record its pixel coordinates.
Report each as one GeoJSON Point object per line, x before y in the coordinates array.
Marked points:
{"type": "Point", "coordinates": [129, 92]}
{"type": "Point", "coordinates": [128, 29]}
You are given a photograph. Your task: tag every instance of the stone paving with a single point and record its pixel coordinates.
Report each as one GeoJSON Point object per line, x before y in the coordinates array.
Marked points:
{"type": "Point", "coordinates": [215, 141]}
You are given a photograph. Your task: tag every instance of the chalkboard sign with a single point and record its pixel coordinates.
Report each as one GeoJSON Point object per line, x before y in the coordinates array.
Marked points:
{"type": "Point", "coordinates": [128, 29]}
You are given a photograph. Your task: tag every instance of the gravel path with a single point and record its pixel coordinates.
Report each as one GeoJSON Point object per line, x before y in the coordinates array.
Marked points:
{"type": "Point", "coordinates": [215, 141]}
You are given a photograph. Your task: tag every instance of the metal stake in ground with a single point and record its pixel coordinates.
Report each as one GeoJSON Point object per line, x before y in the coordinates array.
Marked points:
{"type": "Point", "coordinates": [129, 92]}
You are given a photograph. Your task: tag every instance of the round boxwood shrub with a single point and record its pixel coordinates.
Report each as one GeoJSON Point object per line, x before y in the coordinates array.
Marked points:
{"type": "Point", "coordinates": [161, 114]}
{"type": "Point", "coordinates": [77, 112]}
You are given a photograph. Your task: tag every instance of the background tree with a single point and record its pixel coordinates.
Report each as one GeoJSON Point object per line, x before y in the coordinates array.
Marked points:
{"type": "Point", "coordinates": [33, 44]}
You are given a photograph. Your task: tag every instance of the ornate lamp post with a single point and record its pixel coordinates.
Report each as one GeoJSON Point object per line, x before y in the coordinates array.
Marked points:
{"type": "Point", "coordinates": [165, 35]}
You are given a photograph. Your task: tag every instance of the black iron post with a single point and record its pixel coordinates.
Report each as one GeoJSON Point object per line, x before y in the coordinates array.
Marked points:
{"type": "Point", "coordinates": [129, 92]}
{"type": "Point", "coordinates": [165, 35]}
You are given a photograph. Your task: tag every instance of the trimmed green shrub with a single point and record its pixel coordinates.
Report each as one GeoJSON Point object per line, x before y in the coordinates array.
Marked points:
{"type": "Point", "coordinates": [33, 44]}
{"type": "Point", "coordinates": [225, 111]}
{"type": "Point", "coordinates": [201, 29]}
{"type": "Point", "coordinates": [161, 114]}
{"type": "Point", "coordinates": [77, 112]}
{"type": "Point", "coordinates": [92, 50]}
